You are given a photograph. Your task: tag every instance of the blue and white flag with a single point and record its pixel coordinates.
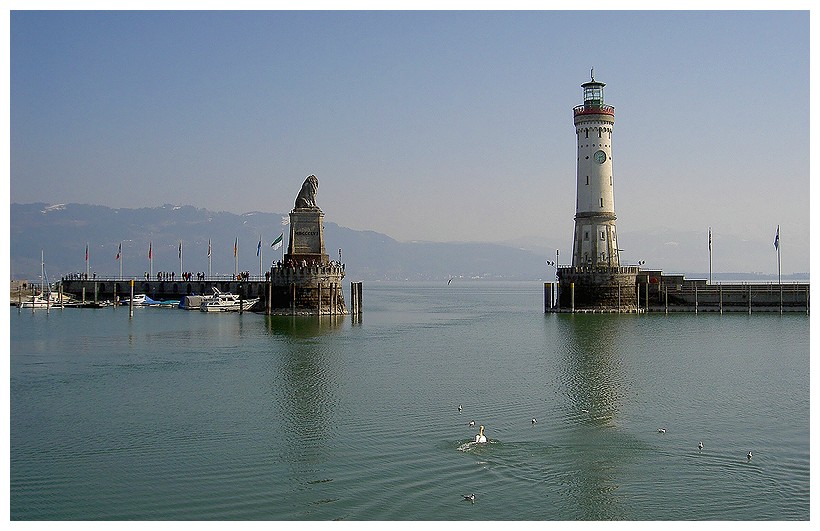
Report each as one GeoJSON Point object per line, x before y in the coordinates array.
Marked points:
{"type": "Point", "coordinates": [259, 246]}
{"type": "Point", "coordinates": [777, 239]}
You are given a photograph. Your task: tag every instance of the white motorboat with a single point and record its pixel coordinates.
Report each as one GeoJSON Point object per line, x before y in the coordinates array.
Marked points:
{"type": "Point", "coordinates": [140, 299]}
{"type": "Point", "coordinates": [225, 302]}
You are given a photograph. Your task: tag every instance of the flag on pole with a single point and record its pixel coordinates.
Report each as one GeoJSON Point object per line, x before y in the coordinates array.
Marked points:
{"type": "Point", "coordinates": [235, 243]}
{"type": "Point", "coordinates": [777, 239]}
{"type": "Point", "coordinates": [259, 246]}
{"type": "Point", "coordinates": [180, 249]}
{"type": "Point", "coordinates": [710, 238]}
{"type": "Point", "coordinates": [209, 247]}
{"type": "Point", "coordinates": [150, 250]}
{"type": "Point", "coordinates": [86, 252]}
{"type": "Point", "coordinates": [119, 251]}
{"type": "Point", "coordinates": [277, 243]}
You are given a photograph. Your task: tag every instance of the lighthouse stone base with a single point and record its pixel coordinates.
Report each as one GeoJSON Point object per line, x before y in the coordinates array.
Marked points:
{"type": "Point", "coordinates": [603, 289]}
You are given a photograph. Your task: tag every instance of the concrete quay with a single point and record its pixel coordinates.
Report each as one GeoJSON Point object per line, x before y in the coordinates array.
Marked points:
{"type": "Point", "coordinates": [657, 293]}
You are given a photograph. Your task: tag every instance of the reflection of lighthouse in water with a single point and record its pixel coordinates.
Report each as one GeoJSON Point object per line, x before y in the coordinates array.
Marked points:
{"type": "Point", "coordinates": [594, 241]}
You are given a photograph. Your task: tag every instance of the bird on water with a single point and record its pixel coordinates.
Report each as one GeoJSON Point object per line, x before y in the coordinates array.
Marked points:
{"type": "Point", "coordinates": [469, 497]}
{"type": "Point", "coordinates": [700, 445]}
{"type": "Point", "coordinates": [480, 438]}
{"type": "Point", "coordinates": [534, 420]}
{"type": "Point", "coordinates": [749, 455]}
{"type": "Point", "coordinates": [459, 408]}
{"type": "Point", "coordinates": [472, 423]}
{"type": "Point", "coordinates": [661, 430]}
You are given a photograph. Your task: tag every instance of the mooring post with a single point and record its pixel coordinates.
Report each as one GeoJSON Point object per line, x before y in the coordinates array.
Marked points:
{"type": "Point", "coordinates": [638, 292]}
{"type": "Point", "coordinates": [646, 296]}
{"type": "Point", "coordinates": [131, 301]}
{"type": "Point", "coordinates": [619, 297]}
{"type": "Point", "coordinates": [666, 300]}
{"type": "Point", "coordinates": [781, 298]}
{"type": "Point", "coordinates": [696, 298]}
{"type": "Point", "coordinates": [720, 288]}
{"type": "Point", "coordinates": [319, 301]}
{"type": "Point", "coordinates": [267, 297]}
{"type": "Point", "coordinates": [572, 296]}
{"type": "Point", "coordinates": [547, 296]}
{"type": "Point", "coordinates": [750, 299]}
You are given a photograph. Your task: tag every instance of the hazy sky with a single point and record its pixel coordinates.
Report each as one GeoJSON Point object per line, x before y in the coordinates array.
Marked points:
{"type": "Point", "coordinates": [422, 125]}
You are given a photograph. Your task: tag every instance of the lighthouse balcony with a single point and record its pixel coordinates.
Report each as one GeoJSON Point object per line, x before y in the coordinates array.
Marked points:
{"type": "Point", "coordinates": [581, 110]}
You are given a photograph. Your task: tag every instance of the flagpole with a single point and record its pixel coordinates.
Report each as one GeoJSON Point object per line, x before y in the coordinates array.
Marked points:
{"type": "Point", "coordinates": [150, 260]}
{"type": "Point", "coordinates": [710, 255]}
{"type": "Point", "coordinates": [259, 252]}
{"type": "Point", "coordinates": [121, 259]}
{"type": "Point", "coordinates": [209, 258]}
{"type": "Point", "coordinates": [86, 260]}
{"type": "Point", "coordinates": [180, 259]}
{"type": "Point", "coordinates": [779, 283]}
{"type": "Point", "coordinates": [778, 254]}
{"type": "Point", "coordinates": [285, 223]}
{"type": "Point", "coordinates": [235, 258]}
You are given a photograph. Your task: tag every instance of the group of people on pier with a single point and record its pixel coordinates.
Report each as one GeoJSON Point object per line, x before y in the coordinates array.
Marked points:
{"type": "Point", "coordinates": [304, 263]}
{"type": "Point", "coordinates": [171, 276]}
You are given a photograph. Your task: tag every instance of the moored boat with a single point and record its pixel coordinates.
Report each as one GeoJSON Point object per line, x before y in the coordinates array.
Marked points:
{"type": "Point", "coordinates": [140, 299]}
{"type": "Point", "coordinates": [225, 302]}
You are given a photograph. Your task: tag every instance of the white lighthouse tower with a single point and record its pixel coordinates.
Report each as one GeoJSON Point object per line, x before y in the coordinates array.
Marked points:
{"type": "Point", "coordinates": [595, 281]}
{"type": "Point", "coordinates": [595, 242]}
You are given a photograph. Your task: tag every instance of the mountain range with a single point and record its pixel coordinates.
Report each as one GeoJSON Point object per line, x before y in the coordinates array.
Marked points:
{"type": "Point", "coordinates": [62, 232]}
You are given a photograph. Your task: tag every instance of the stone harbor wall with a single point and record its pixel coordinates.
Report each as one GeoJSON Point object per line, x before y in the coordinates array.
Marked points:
{"type": "Point", "coordinates": [307, 290]}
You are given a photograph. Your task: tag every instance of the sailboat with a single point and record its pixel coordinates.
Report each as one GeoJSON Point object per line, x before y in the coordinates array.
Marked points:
{"type": "Point", "coordinates": [43, 299]}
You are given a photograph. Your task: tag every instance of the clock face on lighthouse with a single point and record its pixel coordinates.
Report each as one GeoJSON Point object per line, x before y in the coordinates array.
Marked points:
{"type": "Point", "coordinates": [599, 156]}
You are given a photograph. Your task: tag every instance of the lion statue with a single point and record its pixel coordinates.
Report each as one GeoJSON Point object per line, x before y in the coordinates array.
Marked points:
{"type": "Point", "coordinates": [307, 195]}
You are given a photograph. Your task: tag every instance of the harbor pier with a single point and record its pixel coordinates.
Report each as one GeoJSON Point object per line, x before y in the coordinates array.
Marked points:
{"type": "Point", "coordinates": [654, 292]}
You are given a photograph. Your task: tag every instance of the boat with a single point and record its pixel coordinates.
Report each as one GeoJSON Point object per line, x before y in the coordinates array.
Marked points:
{"type": "Point", "coordinates": [140, 299]}
{"type": "Point", "coordinates": [165, 304]}
{"type": "Point", "coordinates": [225, 302]}
{"type": "Point", "coordinates": [92, 304]}
{"type": "Point", "coordinates": [47, 300]}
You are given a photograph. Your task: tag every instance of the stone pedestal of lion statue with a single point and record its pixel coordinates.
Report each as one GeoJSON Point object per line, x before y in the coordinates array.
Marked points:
{"type": "Point", "coordinates": [307, 282]}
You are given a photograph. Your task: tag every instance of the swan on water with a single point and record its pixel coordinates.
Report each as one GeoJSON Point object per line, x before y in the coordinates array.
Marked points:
{"type": "Point", "coordinates": [480, 438]}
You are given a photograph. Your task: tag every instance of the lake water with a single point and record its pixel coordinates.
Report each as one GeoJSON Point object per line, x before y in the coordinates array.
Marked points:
{"type": "Point", "coordinates": [181, 415]}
